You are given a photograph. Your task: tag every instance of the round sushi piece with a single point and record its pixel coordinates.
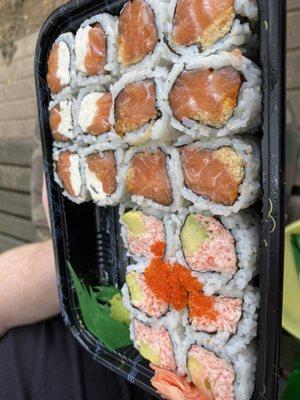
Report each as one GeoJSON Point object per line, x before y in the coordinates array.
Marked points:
{"type": "Point", "coordinates": [60, 64]}
{"type": "Point", "coordinates": [95, 51]}
{"type": "Point", "coordinates": [220, 176]}
{"type": "Point", "coordinates": [198, 26]}
{"type": "Point", "coordinates": [143, 234]}
{"type": "Point", "coordinates": [141, 297]}
{"type": "Point", "coordinates": [101, 165]}
{"type": "Point", "coordinates": [149, 179]}
{"type": "Point", "coordinates": [213, 375]}
{"type": "Point", "coordinates": [136, 115]}
{"type": "Point", "coordinates": [154, 343]}
{"type": "Point", "coordinates": [68, 173]}
{"type": "Point", "coordinates": [61, 119]}
{"type": "Point", "coordinates": [140, 34]}
{"type": "Point", "coordinates": [93, 108]}
{"type": "Point", "coordinates": [228, 313]}
{"type": "Point", "coordinates": [216, 96]}
{"type": "Point", "coordinates": [221, 252]}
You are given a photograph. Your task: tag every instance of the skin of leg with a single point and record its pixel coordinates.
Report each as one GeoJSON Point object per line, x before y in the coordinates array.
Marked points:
{"type": "Point", "coordinates": [28, 285]}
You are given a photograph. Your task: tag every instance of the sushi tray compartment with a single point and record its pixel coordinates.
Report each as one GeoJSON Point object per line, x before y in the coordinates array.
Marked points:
{"type": "Point", "coordinates": [163, 146]}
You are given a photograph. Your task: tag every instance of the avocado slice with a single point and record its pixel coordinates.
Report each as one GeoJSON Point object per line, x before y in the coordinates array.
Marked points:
{"type": "Point", "coordinates": [198, 376]}
{"type": "Point", "coordinates": [192, 235]}
{"type": "Point", "coordinates": [134, 222]}
{"type": "Point", "coordinates": [149, 353]}
{"type": "Point", "coordinates": [136, 292]}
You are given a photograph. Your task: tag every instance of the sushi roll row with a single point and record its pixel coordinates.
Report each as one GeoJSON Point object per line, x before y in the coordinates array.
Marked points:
{"type": "Point", "coordinates": [203, 97]}
{"type": "Point", "coordinates": [155, 111]}
{"type": "Point", "coordinates": [219, 176]}
{"type": "Point", "coordinates": [105, 46]}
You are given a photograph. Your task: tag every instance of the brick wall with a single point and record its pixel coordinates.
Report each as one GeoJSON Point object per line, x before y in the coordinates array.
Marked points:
{"type": "Point", "coordinates": [17, 92]}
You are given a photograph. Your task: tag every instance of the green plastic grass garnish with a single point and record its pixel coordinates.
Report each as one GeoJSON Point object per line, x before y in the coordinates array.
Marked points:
{"type": "Point", "coordinates": [97, 317]}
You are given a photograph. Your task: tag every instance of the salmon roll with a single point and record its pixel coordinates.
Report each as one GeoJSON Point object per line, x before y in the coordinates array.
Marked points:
{"type": "Point", "coordinates": [140, 298]}
{"type": "Point", "coordinates": [60, 64]}
{"type": "Point", "coordinates": [220, 251]}
{"type": "Point", "coordinates": [68, 174]}
{"type": "Point", "coordinates": [93, 108]}
{"type": "Point", "coordinates": [140, 43]}
{"type": "Point", "coordinates": [149, 179]}
{"type": "Point", "coordinates": [61, 120]}
{"type": "Point", "coordinates": [136, 115]}
{"type": "Point", "coordinates": [214, 376]}
{"type": "Point", "coordinates": [101, 164]}
{"type": "Point", "coordinates": [220, 176]}
{"type": "Point", "coordinates": [95, 51]}
{"type": "Point", "coordinates": [198, 26]}
{"type": "Point", "coordinates": [155, 343]}
{"type": "Point", "coordinates": [143, 234]}
{"type": "Point", "coordinates": [214, 96]}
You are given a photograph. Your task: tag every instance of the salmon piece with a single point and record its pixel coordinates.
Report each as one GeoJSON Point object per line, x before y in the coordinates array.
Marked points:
{"type": "Point", "coordinates": [202, 22]}
{"type": "Point", "coordinates": [214, 174]}
{"type": "Point", "coordinates": [58, 72]}
{"type": "Point", "coordinates": [104, 167]}
{"type": "Point", "coordinates": [137, 32]}
{"type": "Point", "coordinates": [148, 177]}
{"type": "Point", "coordinates": [135, 106]}
{"type": "Point", "coordinates": [63, 166]}
{"type": "Point", "coordinates": [100, 122]}
{"type": "Point", "coordinates": [54, 121]}
{"type": "Point", "coordinates": [207, 96]}
{"type": "Point", "coordinates": [96, 55]}
{"type": "Point", "coordinates": [212, 375]}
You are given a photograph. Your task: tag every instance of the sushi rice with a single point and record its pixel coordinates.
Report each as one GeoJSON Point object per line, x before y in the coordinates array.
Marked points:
{"type": "Point", "coordinates": [66, 125]}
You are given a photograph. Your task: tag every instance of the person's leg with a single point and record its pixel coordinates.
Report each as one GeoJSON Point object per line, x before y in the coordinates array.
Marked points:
{"type": "Point", "coordinates": [28, 285]}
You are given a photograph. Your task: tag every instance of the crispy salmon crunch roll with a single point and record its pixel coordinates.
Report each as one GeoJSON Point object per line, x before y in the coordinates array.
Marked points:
{"type": "Point", "coordinates": [198, 26]}
{"type": "Point", "coordinates": [214, 96]}
{"type": "Point", "coordinates": [136, 115]}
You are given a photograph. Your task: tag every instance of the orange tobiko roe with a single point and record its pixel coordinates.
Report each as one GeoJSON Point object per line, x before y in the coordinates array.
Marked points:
{"type": "Point", "coordinates": [175, 285]}
{"type": "Point", "coordinates": [158, 249]}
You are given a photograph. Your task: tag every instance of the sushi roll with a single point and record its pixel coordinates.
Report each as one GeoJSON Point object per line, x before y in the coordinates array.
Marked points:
{"type": "Point", "coordinates": [68, 174]}
{"type": "Point", "coordinates": [95, 51]}
{"type": "Point", "coordinates": [220, 251]}
{"type": "Point", "coordinates": [220, 176]}
{"type": "Point", "coordinates": [206, 27]}
{"type": "Point", "coordinates": [156, 343]}
{"type": "Point", "coordinates": [139, 299]}
{"type": "Point", "coordinates": [214, 96]}
{"type": "Point", "coordinates": [101, 164]}
{"type": "Point", "coordinates": [61, 121]}
{"type": "Point", "coordinates": [92, 110]}
{"type": "Point", "coordinates": [143, 234]}
{"type": "Point", "coordinates": [225, 317]}
{"type": "Point", "coordinates": [213, 375]}
{"type": "Point", "coordinates": [140, 41]}
{"type": "Point", "coordinates": [136, 115]}
{"type": "Point", "coordinates": [60, 64]}
{"type": "Point", "coordinates": [149, 179]}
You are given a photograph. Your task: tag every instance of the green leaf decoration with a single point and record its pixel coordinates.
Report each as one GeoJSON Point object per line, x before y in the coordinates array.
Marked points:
{"type": "Point", "coordinates": [106, 293]}
{"type": "Point", "coordinates": [117, 311]}
{"type": "Point", "coordinates": [97, 317]}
